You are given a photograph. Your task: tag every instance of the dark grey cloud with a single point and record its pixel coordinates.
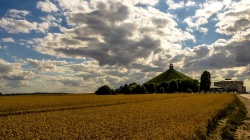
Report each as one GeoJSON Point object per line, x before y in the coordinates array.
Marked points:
{"type": "Point", "coordinates": [160, 23]}
{"type": "Point", "coordinates": [6, 67]}
{"type": "Point", "coordinates": [147, 68]}
{"type": "Point", "coordinates": [238, 25]}
{"type": "Point", "coordinates": [71, 82]}
{"type": "Point", "coordinates": [201, 51]}
{"type": "Point", "coordinates": [23, 76]}
{"type": "Point", "coordinates": [18, 84]}
{"type": "Point", "coordinates": [15, 77]}
{"type": "Point", "coordinates": [113, 52]}
{"type": "Point", "coordinates": [233, 54]}
{"type": "Point", "coordinates": [241, 50]}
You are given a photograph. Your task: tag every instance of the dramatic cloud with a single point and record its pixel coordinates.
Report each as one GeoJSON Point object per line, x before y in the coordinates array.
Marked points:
{"type": "Point", "coordinates": [110, 35]}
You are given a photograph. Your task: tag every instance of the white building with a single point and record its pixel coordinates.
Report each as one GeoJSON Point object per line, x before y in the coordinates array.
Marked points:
{"type": "Point", "coordinates": [231, 85]}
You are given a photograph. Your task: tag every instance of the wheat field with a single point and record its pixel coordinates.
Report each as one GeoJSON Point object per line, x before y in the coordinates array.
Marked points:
{"type": "Point", "coordinates": [159, 116]}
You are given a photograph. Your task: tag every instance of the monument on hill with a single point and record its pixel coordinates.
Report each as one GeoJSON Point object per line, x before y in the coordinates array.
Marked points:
{"type": "Point", "coordinates": [171, 66]}
{"type": "Point", "coordinates": [169, 75]}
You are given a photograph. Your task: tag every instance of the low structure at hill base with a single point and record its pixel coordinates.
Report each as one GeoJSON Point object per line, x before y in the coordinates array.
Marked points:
{"type": "Point", "coordinates": [230, 85]}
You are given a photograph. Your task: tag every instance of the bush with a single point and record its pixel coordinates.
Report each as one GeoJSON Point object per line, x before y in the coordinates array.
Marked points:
{"type": "Point", "coordinates": [162, 90]}
{"type": "Point", "coordinates": [189, 90]}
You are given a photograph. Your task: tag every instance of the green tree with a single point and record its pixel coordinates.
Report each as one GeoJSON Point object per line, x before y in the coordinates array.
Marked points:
{"type": "Point", "coordinates": [129, 91]}
{"type": "Point", "coordinates": [143, 90]}
{"type": "Point", "coordinates": [113, 92]}
{"type": "Point", "coordinates": [173, 86]}
{"type": "Point", "coordinates": [157, 88]}
{"type": "Point", "coordinates": [137, 89]}
{"type": "Point", "coordinates": [103, 90]}
{"type": "Point", "coordinates": [164, 84]}
{"type": "Point", "coordinates": [131, 84]}
{"type": "Point", "coordinates": [151, 88]}
{"type": "Point", "coordinates": [124, 88]}
{"type": "Point", "coordinates": [205, 81]}
{"type": "Point", "coordinates": [189, 90]}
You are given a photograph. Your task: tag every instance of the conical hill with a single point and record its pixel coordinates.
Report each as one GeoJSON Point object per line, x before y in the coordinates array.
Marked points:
{"type": "Point", "coordinates": [169, 75]}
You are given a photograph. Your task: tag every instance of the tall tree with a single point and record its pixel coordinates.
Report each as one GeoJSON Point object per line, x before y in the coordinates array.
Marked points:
{"type": "Point", "coordinates": [137, 89]}
{"type": "Point", "coordinates": [173, 86]}
{"type": "Point", "coordinates": [143, 90]}
{"type": "Point", "coordinates": [205, 81]}
{"type": "Point", "coordinates": [151, 88]}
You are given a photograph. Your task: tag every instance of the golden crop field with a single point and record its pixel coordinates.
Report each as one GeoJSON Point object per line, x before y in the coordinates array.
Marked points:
{"type": "Point", "coordinates": [159, 116]}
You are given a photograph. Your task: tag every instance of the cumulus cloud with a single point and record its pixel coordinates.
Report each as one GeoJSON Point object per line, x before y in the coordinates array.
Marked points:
{"type": "Point", "coordinates": [173, 5]}
{"type": "Point", "coordinates": [196, 23]}
{"type": "Point", "coordinates": [17, 13]}
{"type": "Point", "coordinates": [72, 81]}
{"type": "Point", "coordinates": [235, 19]}
{"type": "Point", "coordinates": [22, 76]}
{"type": "Point", "coordinates": [3, 47]}
{"type": "Point", "coordinates": [202, 16]}
{"type": "Point", "coordinates": [17, 26]}
{"type": "Point", "coordinates": [12, 74]}
{"type": "Point", "coordinates": [76, 5]}
{"type": "Point", "coordinates": [46, 6]}
{"type": "Point", "coordinates": [45, 65]}
{"type": "Point", "coordinates": [190, 3]}
{"type": "Point", "coordinates": [5, 67]}
{"type": "Point", "coordinates": [221, 54]}
{"type": "Point", "coordinates": [9, 39]}
{"type": "Point", "coordinates": [209, 9]}
{"type": "Point", "coordinates": [14, 22]}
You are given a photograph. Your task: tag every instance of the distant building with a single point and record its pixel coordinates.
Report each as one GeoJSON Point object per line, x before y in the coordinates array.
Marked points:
{"type": "Point", "coordinates": [231, 85]}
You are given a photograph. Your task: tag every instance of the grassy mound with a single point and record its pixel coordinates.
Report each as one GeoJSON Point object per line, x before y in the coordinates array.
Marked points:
{"type": "Point", "coordinates": [169, 75]}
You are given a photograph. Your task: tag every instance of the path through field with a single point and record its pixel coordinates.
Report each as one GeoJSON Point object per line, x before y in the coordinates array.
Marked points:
{"type": "Point", "coordinates": [243, 132]}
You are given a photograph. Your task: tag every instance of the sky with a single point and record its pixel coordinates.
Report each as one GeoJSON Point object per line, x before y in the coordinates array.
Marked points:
{"type": "Point", "coordinates": [77, 46]}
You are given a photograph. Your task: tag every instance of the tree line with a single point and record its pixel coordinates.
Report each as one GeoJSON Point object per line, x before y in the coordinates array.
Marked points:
{"type": "Point", "coordinates": [188, 86]}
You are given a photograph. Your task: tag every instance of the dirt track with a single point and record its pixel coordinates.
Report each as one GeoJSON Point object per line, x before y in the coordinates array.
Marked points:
{"type": "Point", "coordinates": [243, 132]}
